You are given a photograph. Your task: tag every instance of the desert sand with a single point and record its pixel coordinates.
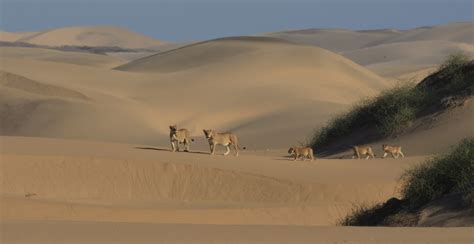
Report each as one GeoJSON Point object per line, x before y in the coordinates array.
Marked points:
{"type": "Point", "coordinates": [14, 36]}
{"type": "Point", "coordinates": [217, 84]}
{"type": "Point", "coordinates": [105, 36]}
{"type": "Point", "coordinates": [391, 53]}
{"type": "Point", "coordinates": [84, 139]}
{"type": "Point", "coordinates": [138, 190]}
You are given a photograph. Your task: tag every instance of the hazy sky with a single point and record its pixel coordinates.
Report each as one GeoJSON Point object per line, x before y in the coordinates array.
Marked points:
{"type": "Point", "coordinates": [185, 20]}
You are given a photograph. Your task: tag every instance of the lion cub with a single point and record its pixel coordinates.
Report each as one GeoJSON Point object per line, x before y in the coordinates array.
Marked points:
{"type": "Point", "coordinates": [301, 152]}
{"type": "Point", "coordinates": [179, 136]}
{"type": "Point", "coordinates": [226, 139]}
{"type": "Point", "coordinates": [394, 150]}
{"type": "Point", "coordinates": [363, 150]}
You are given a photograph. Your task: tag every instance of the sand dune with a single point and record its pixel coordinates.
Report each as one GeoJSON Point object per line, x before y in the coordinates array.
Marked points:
{"type": "Point", "coordinates": [391, 53]}
{"type": "Point", "coordinates": [271, 92]}
{"type": "Point", "coordinates": [135, 187]}
{"type": "Point", "coordinates": [14, 36]}
{"type": "Point", "coordinates": [337, 40]}
{"type": "Point", "coordinates": [443, 130]}
{"type": "Point", "coordinates": [454, 32]}
{"type": "Point", "coordinates": [144, 185]}
{"type": "Point", "coordinates": [343, 40]}
{"type": "Point", "coordinates": [11, 81]}
{"type": "Point", "coordinates": [401, 58]}
{"type": "Point", "coordinates": [86, 59]}
{"type": "Point", "coordinates": [86, 36]}
{"type": "Point", "coordinates": [238, 84]}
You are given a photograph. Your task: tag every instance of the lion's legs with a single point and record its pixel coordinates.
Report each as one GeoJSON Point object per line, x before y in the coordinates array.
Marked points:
{"type": "Point", "coordinates": [384, 155]}
{"type": "Point", "coordinates": [236, 148]}
{"type": "Point", "coordinates": [173, 147]}
{"type": "Point", "coordinates": [368, 156]}
{"type": "Point", "coordinates": [227, 150]}
{"type": "Point", "coordinates": [212, 146]}
{"type": "Point", "coordinates": [186, 145]}
{"type": "Point", "coordinates": [401, 153]}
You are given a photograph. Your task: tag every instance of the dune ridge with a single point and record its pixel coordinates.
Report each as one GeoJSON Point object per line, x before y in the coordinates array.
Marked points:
{"type": "Point", "coordinates": [21, 83]}
{"type": "Point", "coordinates": [388, 52]}
{"type": "Point", "coordinates": [238, 82]}
{"type": "Point", "coordinates": [85, 36]}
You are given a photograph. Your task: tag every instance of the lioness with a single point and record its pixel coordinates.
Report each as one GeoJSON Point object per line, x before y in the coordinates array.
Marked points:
{"type": "Point", "coordinates": [225, 139]}
{"type": "Point", "coordinates": [393, 150]}
{"type": "Point", "coordinates": [303, 152]}
{"type": "Point", "coordinates": [363, 150]}
{"type": "Point", "coordinates": [179, 136]}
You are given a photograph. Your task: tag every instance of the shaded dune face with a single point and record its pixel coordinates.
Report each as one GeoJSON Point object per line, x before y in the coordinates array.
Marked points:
{"type": "Point", "coordinates": [12, 81]}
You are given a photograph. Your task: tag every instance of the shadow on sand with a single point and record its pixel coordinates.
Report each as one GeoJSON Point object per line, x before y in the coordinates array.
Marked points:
{"type": "Point", "coordinates": [168, 150]}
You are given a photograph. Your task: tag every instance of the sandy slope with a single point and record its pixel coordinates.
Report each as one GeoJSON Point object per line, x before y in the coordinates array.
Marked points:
{"type": "Point", "coordinates": [87, 59]}
{"type": "Point", "coordinates": [428, 135]}
{"type": "Point", "coordinates": [86, 36]}
{"type": "Point", "coordinates": [92, 189]}
{"type": "Point", "coordinates": [14, 36]}
{"type": "Point", "coordinates": [52, 232]}
{"type": "Point", "coordinates": [337, 40]}
{"type": "Point", "coordinates": [461, 32]}
{"type": "Point", "coordinates": [251, 86]}
{"type": "Point", "coordinates": [391, 53]}
{"type": "Point", "coordinates": [402, 58]}
{"type": "Point", "coordinates": [134, 183]}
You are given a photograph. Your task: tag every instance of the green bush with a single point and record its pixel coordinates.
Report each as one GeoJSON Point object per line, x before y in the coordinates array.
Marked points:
{"type": "Point", "coordinates": [388, 113]}
{"type": "Point", "coordinates": [451, 173]}
{"type": "Point", "coordinates": [454, 61]}
{"type": "Point", "coordinates": [394, 109]}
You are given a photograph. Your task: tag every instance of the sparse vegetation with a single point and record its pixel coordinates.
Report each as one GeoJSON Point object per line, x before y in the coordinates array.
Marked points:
{"type": "Point", "coordinates": [452, 173]}
{"type": "Point", "coordinates": [394, 109]}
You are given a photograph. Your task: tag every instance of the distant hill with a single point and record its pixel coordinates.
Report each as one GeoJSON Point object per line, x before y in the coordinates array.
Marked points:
{"type": "Point", "coordinates": [92, 36]}
{"type": "Point", "coordinates": [388, 52]}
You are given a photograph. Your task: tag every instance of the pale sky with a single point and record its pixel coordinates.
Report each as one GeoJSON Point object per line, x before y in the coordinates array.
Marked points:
{"type": "Point", "coordinates": [188, 20]}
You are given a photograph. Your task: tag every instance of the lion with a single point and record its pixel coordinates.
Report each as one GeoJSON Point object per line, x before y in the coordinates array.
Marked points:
{"type": "Point", "coordinates": [394, 150]}
{"type": "Point", "coordinates": [363, 150]}
{"type": "Point", "coordinates": [226, 139]}
{"type": "Point", "coordinates": [301, 152]}
{"type": "Point", "coordinates": [179, 136]}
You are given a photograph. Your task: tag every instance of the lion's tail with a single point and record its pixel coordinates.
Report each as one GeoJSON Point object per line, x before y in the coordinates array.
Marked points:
{"type": "Point", "coordinates": [236, 142]}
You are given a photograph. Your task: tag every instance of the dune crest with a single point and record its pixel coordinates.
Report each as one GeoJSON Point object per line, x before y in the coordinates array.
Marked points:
{"type": "Point", "coordinates": [86, 36]}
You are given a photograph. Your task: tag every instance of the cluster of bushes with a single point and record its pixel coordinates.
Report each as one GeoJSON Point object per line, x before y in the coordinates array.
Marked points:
{"type": "Point", "coordinates": [444, 175]}
{"type": "Point", "coordinates": [448, 174]}
{"type": "Point", "coordinates": [394, 109]}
